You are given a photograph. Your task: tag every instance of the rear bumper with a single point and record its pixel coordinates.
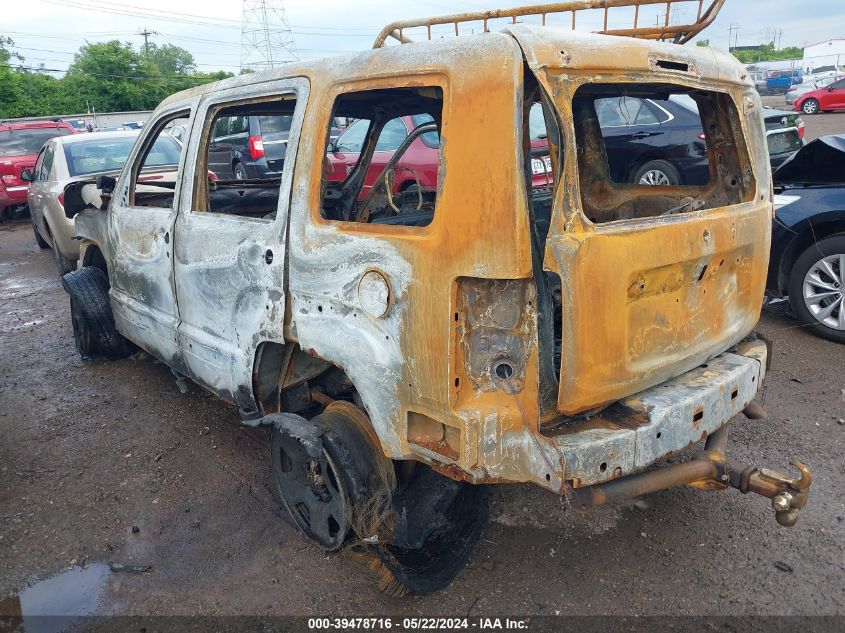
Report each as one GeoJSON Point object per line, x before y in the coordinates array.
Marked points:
{"type": "Point", "coordinates": [13, 196]}
{"type": "Point", "coordinates": [656, 423]}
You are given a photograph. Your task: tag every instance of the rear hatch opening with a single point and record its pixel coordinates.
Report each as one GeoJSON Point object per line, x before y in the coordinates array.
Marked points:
{"type": "Point", "coordinates": [647, 275]}
{"type": "Point", "coordinates": [686, 141]}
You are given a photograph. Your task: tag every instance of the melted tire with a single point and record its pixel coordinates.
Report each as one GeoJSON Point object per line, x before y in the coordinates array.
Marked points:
{"type": "Point", "coordinates": [365, 475]}
{"type": "Point", "coordinates": [94, 331]}
{"type": "Point", "coordinates": [445, 551]}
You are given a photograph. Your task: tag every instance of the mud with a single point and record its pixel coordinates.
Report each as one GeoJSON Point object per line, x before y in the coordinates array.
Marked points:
{"type": "Point", "coordinates": [91, 450]}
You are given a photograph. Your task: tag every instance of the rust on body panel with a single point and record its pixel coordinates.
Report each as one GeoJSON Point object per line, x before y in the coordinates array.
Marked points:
{"type": "Point", "coordinates": [449, 372]}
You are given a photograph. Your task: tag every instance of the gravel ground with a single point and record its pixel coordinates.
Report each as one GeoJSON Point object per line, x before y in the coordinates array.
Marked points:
{"type": "Point", "coordinates": [108, 462]}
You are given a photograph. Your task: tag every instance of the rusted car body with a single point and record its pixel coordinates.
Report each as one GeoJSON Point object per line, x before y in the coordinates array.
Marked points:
{"type": "Point", "coordinates": [571, 357]}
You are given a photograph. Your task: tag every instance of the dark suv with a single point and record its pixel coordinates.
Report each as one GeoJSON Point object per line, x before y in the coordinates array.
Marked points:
{"type": "Point", "coordinates": [244, 147]}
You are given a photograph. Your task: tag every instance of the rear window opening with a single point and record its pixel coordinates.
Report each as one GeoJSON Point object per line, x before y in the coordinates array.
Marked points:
{"type": "Point", "coordinates": [649, 150]}
{"type": "Point", "coordinates": [28, 141]}
{"type": "Point", "coordinates": [384, 167]}
{"type": "Point", "coordinates": [244, 158]}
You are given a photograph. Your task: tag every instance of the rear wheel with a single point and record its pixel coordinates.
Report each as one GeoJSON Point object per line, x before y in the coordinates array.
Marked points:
{"type": "Point", "coordinates": [810, 106]}
{"type": "Point", "coordinates": [817, 288]}
{"type": "Point", "coordinates": [338, 486]}
{"type": "Point", "coordinates": [240, 172]}
{"type": "Point", "coordinates": [657, 172]}
{"type": "Point", "coordinates": [42, 243]}
{"type": "Point", "coordinates": [327, 485]}
{"type": "Point", "coordinates": [94, 331]}
{"type": "Point", "coordinates": [64, 264]}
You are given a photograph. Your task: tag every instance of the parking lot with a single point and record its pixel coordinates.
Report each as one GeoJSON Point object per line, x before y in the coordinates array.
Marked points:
{"type": "Point", "coordinates": [109, 462]}
{"type": "Point", "coordinates": [816, 125]}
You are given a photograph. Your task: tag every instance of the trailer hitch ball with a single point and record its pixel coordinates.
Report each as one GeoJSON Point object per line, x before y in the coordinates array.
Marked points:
{"type": "Point", "coordinates": [785, 514]}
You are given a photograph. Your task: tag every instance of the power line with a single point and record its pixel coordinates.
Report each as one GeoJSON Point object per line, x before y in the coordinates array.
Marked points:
{"type": "Point", "coordinates": [266, 38]}
{"type": "Point", "coordinates": [146, 33]}
{"type": "Point", "coordinates": [168, 78]}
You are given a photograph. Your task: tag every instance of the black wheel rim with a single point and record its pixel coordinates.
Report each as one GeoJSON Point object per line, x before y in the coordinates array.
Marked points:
{"type": "Point", "coordinates": [312, 490]}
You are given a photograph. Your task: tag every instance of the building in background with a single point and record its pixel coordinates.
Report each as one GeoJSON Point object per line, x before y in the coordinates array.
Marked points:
{"type": "Point", "coordinates": [827, 55]}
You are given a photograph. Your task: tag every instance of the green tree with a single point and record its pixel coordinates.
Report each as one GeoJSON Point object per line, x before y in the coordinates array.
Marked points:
{"type": "Point", "coordinates": [171, 60]}
{"type": "Point", "coordinates": [767, 52]}
{"type": "Point", "coordinates": [108, 76]}
{"type": "Point", "coordinates": [13, 99]}
{"type": "Point", "coordinates": [702, 42]}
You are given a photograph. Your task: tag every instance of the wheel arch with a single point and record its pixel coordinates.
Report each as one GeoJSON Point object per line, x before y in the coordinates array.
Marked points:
{"type": "Point", "coordinates": [287, 379]}
{"type": "Point", "coordinates": [808, 234]}
{"type": "Point", "coordinates": [90, 254]}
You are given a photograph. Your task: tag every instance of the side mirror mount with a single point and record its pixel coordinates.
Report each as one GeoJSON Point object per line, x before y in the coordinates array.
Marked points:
{"type": "Point", "coordinates": [106, 184]}
{"type": "Point", "coordinates": [332, 147]}
{"type": "Point", "coordinates": [27, 176]}
{"type": "Point", "coordinates": [84, 194]}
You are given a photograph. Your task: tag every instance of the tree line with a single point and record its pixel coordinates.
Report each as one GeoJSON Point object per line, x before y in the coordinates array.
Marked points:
{"type": "Point", "coordinates": [763, 53]}
{"type": "Point", "coordinates": [104, 77]}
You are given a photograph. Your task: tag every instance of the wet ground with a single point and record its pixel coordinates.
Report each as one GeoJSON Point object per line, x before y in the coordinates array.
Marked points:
{"type": "Point", "coordinates": [109, 463]}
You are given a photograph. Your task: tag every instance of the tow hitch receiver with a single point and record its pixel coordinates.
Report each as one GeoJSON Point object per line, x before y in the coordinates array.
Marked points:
{"type": "Point", "coordinates": [708, 470]}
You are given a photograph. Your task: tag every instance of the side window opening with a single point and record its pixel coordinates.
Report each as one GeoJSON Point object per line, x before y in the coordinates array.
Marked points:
{"type": "Point", "coordinates": [39, 162]}
{"type": "Point", "coordinates": [243, 157]}
{"type": "Point", "coordinates": [383, 168]}
{"type": "Point", "coordinates": [156, 172]}
{"type": "Point", "coordinates": [647, 150]}
{"type": "Point", "coordinates": [47, 165]}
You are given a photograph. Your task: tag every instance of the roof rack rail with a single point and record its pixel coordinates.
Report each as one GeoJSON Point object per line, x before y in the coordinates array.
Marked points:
{"type": "Point", "coordinates": [678, 33]}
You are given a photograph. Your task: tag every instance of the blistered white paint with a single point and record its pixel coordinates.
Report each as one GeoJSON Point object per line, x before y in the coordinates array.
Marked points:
{"type": "Point", "coordinates": [324, 279]}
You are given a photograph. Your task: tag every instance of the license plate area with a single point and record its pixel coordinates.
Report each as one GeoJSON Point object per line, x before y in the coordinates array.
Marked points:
{"type": "Point", "coordinates": [658, 422]}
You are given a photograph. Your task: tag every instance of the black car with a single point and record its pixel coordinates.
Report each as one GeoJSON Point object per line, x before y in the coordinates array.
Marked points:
{"type": "Point", "coordinates": [244, 147]}
{"type": "Point", "coordinates": [662, 142]}
{"type": "Point", "coordinates": [784, 134]}
{"type": "Point", "coordinates": [808, 237]}
{"type": "Point", "coordinates": [653, 141]}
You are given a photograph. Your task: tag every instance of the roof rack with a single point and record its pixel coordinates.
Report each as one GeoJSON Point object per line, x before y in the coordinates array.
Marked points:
{"type": "Point", "coordinates": [678, 33]}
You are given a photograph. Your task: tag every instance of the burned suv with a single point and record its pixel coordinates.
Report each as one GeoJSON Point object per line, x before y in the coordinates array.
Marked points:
{"type": "Point", "coordinates": [402, 346]}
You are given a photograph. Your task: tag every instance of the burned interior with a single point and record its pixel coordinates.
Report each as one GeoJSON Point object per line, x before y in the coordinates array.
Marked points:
{"type": "Point", "coordinates": [154, 180]}
{"type": "Point", "coordinates": [607, 196]}
{"type": "Point", "coordinates": [392, 194]}
{"type": "Point", "coordinates": [225, 189]}
{"type": "Point", "coordinates": [462, 286]}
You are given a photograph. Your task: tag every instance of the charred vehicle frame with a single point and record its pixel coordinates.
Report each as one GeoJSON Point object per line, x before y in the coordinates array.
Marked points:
{"type": "Point", "coordinates": [402, 347]}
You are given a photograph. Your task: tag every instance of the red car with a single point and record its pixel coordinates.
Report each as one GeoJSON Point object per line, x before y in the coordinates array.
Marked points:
{"type": "Point", "coordinates": [830, 97]}
{"type": "Point", "coordinates": [19, 147]}
{"type": "Point", "coordinates": [419, 162]}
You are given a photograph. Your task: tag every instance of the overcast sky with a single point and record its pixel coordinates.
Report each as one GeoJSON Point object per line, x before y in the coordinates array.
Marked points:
{"type": "Point", "coordinates": [48, 32]}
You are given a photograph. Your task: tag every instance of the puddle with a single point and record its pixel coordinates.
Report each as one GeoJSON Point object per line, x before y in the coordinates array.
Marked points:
{"type": "Point", "coordinates": [64, 597]}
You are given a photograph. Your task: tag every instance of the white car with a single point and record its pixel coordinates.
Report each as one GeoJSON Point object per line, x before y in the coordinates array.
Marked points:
{"type": "Point", "coordinates": [809, 84]}
{"type": "Point", "coordinates": [65, 159]}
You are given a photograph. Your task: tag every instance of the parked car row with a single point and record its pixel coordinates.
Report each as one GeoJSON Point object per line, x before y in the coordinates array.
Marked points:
{"type": "Point", "coordinates": [822, 99]}
{"type": "Point", "coordinates": [648, 142]}
{"type": "Point", "coordinates": [19, 146]}
{"type": "Point", "coordinates": [810, 83]}
{"type": "Point", "coordinates": [770, 82]}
